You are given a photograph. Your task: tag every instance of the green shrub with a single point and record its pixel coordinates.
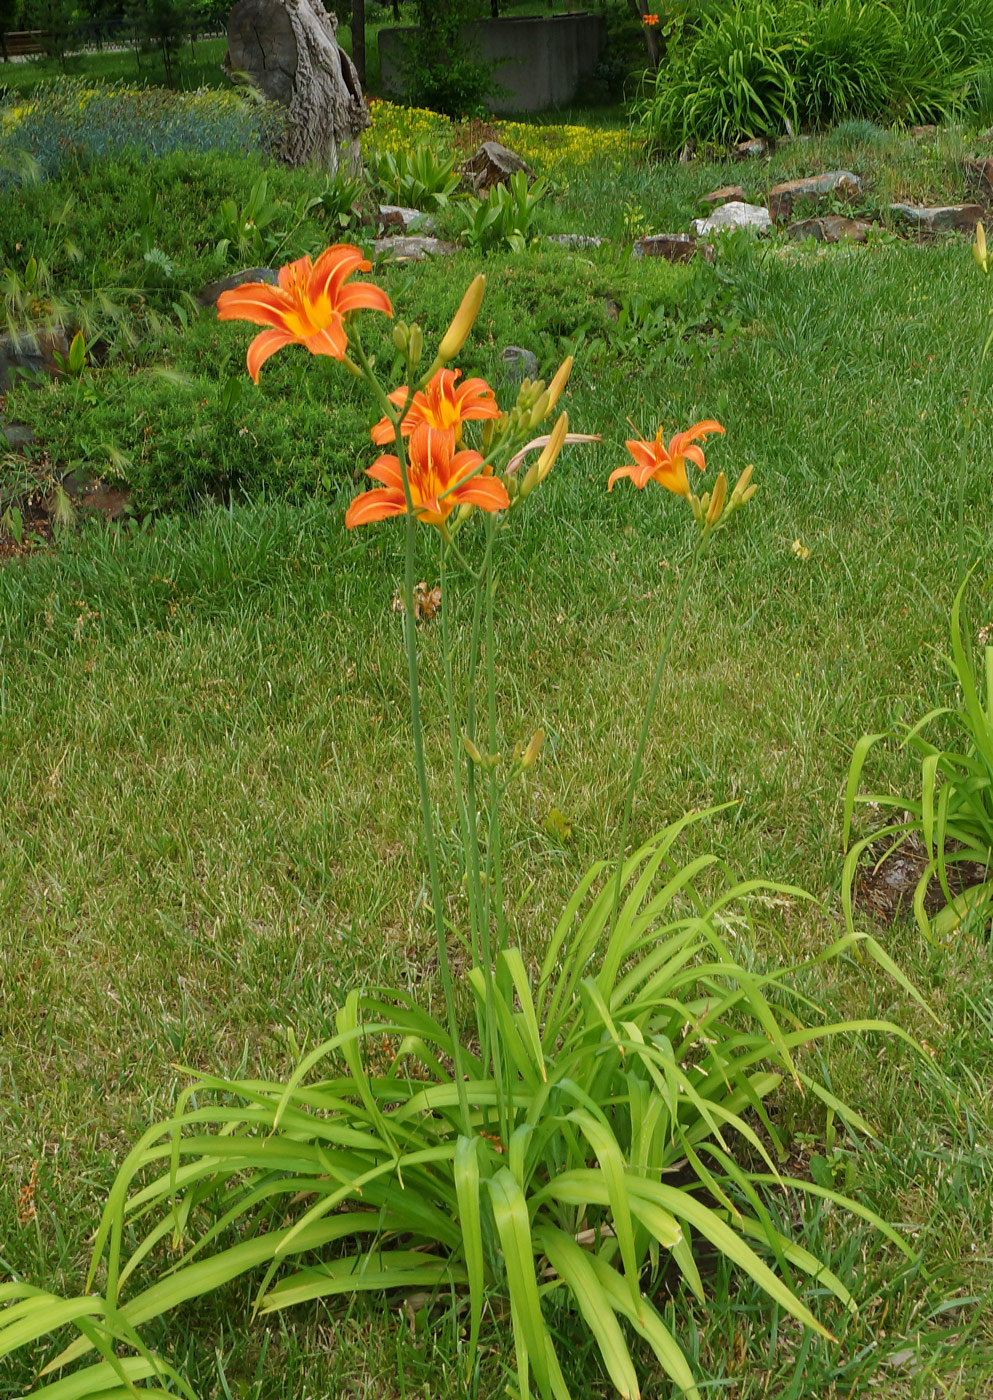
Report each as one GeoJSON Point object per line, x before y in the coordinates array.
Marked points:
{"type": "Point", "coordinates": [733, 81]}
{"type": "Point", "coordinates": [846, 61]}
{"type": "Point", "coordinates": [757, 69]}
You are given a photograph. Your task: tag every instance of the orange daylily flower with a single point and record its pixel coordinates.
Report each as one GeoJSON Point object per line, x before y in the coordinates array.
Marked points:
{"type": "Point", "coordinates": [307, 308]}
{"type": "Point", "coordinates": [438, 482]}
{"type": "Point", "coordinates": [650, 19]}
{"type": "Point", "coordinates": [653, 461]}
{"type": "Point", "coordinates": [441, 404]}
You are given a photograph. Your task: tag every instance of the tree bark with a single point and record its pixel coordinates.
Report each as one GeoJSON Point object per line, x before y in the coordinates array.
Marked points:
{"type": "Point", "coordinates": [289, 50]}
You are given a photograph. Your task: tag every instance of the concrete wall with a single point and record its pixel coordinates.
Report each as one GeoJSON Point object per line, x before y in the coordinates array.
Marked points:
{"type": "Point", "coordinates": [540, 61]}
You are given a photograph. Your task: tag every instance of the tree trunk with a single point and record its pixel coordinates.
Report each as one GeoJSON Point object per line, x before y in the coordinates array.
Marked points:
{"type": "Point", "coordinates": [289, 50]}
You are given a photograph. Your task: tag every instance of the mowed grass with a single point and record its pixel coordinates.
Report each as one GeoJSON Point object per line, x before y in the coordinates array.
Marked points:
{"type": "Point", "coordinates": [210, 828]}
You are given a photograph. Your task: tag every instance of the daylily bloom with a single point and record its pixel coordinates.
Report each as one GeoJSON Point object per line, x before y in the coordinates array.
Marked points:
{"type": "Point", "coordinates": [308, 306]}
{"type": "Point", "coordinates": [441, 405]}
{"type": "Point", "coordinates": [653, 461]}
{"type": "Point", "coordinates": [650, 19]}
{"type": "Point", "coordinates": [439, 477]}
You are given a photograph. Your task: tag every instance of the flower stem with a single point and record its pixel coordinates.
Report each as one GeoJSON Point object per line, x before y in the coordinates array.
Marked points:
{"type": "Point", "coordinates": [677, 614]}
{"type": "Point", "coordinates": [417, 734]}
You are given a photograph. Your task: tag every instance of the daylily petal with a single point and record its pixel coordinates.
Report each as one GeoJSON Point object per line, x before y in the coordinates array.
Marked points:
{"type": "Point", "coordinates": [363, 296]}
{"type": "Point", "coordinates": [484, 491]}
{"type": "Point", "coordinates": [375, 505]}
{"type": "Point", "coordinates": [386, 470]}
{"type": "Point", "coordinates": [255, 301]}
{"type": "Point", "coordinates": [329, 341]}
{"type": "Point", "coordinates": [338, 262]}
{"type": "Point", "coordinates": [262, 347]}
{"type": "Point", "coordinates": [622, 472]}
{"type": "Point", "coordinates": [694, 454]}
{"type": "Point", "coordinates": [672, 475]}
{"type": "Point", "coordinates": [644, 453]}
{"type": "Point", "coordinates": [294, 272]}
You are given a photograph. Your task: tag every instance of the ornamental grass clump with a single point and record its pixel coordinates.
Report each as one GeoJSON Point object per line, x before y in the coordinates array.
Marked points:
{"type": "Point", "coordinates": [567, 1130]}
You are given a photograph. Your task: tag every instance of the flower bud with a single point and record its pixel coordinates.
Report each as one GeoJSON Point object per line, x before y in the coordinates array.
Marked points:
{"type": "Point", "coordinates": [533, 750]}
{"type": "Point", "coordinates": [559, 382]}
{"type": "Point", "coordinates": [979, 248]}
{"type": "Point", "coordinates": [540, 410]}
{"type": "Point", "coordinates": [472, 750]}
{"type": "Point", "coordinates": [546, 461]}
{"type": "Point", "coordinates": [401, 336]}
{"type": "Point", "coordinates": [462, 322]}
{"type": "Point", "coordinates": [743, 491]}
{"type": "Point", "coordinates": [415, 344]}
{"type": "Point", "coordinates": [715, 508]}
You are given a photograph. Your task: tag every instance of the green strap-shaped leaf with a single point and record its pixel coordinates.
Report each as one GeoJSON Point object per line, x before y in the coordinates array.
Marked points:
{"type": "Point", "coordinates": [649, 1325]}
{"type": "Point", "coordinates": [510, 1212]}
{"type": "Point", "coordinates": [573, 1266]}
{"type": "Point", "coordinates": [467, 1194]}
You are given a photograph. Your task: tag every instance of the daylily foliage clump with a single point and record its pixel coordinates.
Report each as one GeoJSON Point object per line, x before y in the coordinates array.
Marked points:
{"type": "Point", "coordinates": [564, 1132]}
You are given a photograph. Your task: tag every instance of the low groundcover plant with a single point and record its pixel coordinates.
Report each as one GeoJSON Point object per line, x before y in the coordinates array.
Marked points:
{"type": "Point", "coordinates": [579, 1126]}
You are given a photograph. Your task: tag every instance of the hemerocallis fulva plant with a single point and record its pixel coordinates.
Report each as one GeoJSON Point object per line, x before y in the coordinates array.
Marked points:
{"type": "Point", "coordinates": [438, 478]}
{"type": "Point", "coordinates": [567, 1130]}
{"type": "Point", "coordinates": [442, 403]}
{"type": "Point", "coordinates": [308, 307]}
{"type": "Point", "coordinates": [653, 461]}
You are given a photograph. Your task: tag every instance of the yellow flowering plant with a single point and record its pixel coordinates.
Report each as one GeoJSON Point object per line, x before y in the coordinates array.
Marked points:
{"type": "Point", "coordinates": [564, 1131]}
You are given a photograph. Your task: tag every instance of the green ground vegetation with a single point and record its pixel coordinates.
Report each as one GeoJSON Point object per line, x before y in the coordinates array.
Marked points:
{"type": "Point", "coordinates": [209, 821]}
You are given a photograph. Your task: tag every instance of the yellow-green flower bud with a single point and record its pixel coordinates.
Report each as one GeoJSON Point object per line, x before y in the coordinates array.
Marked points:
{"type": "Point", "coordinates": [979, 248]}
{"type": "Point", "coordinates": [559, 382]}
{"type": "Point", "coordinates": [462, 322]}
{"type": "Point", "coordinates": [540, 410]}
{"type": "Point", "coordinates": [401, 336]}
{"type": "Point", "coordinates": [546, 461]}
{"type": "Point", "coordinates": [715, 508]}
{"type": "Point", "coordinates": [743, 491]}
{"type": "Point", "coordinates": [415, 344]}
{"type": "Point", "coordinates": [472, 750]}
{"type": "Point", "coordinates": [533, 750]}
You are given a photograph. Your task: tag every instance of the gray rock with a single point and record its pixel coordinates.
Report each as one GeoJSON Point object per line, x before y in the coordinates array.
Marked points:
{"type": "Point", "coordinates": [519, 364]}
{"type": "Point", "coordinates": [939, 218]}
{"type": "Point", "coordinates": [16, 434]}
{"type": "Point", "coordinates": [842, 184]}
{"type": "Point", "coordinates": [748, 150]}
{"type": "Point", "coordinates": [674, 247]}
{"type": "Point", "coordinates": [576, 240]}
{"type": "Point", "coordinates": [832, 228]}
{"type": "Point", "coordinates": [210, 293]}
{"type": "Point", "coordinates": [491, 165]}
{"type": "Point", "coordinates": [410, 248]}
{"type": "Point", "coordinates": [734, 214]}
{"type": "Point", "coordinates": [33, 353]}
{"type": "Point", "coordinates": [406, 220]}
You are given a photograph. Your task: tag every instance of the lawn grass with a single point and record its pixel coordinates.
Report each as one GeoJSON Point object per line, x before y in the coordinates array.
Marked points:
{"type": "Point", "coordinates": [210, 827]}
